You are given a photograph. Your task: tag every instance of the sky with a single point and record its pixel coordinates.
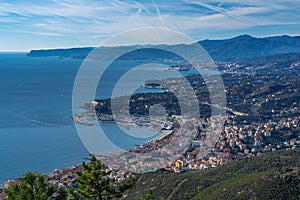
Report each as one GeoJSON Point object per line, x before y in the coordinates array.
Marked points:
{"type": "Point", "coordinates": [44, 24]}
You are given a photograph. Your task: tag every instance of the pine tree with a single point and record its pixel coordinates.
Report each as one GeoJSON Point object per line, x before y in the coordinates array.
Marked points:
{"type": "Point", "coordinates": [94, 182]}
{"type": "Point", "coordinates": [33, 186]}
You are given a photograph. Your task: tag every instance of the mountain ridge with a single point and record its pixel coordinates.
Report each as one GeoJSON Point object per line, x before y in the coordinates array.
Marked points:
{"type": "Point", "coordinates": [247, 47]}
{"type": "Point", "coordinates": [226, 50]}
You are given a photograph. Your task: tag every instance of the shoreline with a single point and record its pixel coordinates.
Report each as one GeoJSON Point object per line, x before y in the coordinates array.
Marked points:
{"type": "Point", "coordinates": [76, 119]}
{"type": "Point", "coordinates": [120, 121]}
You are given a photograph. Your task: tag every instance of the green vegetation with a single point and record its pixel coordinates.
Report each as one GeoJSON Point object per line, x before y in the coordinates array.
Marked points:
{"type": "Point", "coordinates": [33, 186]}
{"type": "Point", "coordinates": [147, 196]}
{"type": "Point", "coordinates": [274, 175]}
{"type": "Point", "coordinates": [94, 182]}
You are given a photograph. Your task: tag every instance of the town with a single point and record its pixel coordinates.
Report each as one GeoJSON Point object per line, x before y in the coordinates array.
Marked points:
{"type": "Point", "coordinates": [262, 115]}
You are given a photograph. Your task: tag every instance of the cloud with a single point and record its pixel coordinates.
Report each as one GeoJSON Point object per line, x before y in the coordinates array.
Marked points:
{"type": "Point", "coordinates": [89, 20]}
{"type": "Point", "coordinates": [225, 12]}
{"type": "Point", "coordinates": [40, 33]}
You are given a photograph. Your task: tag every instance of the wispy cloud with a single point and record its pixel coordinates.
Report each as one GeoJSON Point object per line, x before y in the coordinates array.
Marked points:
{"type": "Point", "coordinates": [225, 12]}
{"type": "Point", "coordinates": [91, 20]}
{"type": "Point", "coordinates": [40, 33]}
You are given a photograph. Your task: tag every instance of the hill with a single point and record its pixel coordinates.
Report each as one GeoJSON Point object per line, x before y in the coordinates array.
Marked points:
{"type": "Point", "coordinates": [274, 175]}
{"type": "Point", "coordinates": [246, 47]}
{"type": "Point", "coordinates": [228, 50]}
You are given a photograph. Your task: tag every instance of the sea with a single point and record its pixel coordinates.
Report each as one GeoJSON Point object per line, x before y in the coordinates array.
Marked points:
{"type": "Point", "coordinates": [36, 130]}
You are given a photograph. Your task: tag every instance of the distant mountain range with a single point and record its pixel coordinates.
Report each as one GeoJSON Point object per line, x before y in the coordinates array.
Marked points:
{"type": "Point", "coordinates": [246, 47]}
{"type": "Point", "coordinates": [243, 47]}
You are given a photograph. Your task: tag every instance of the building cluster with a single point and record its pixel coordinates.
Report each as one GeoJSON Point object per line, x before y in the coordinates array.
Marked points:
{"type": "Point", "coordinates": [238, 141]}
{"type": "Point", "coordinates": [65, 176]}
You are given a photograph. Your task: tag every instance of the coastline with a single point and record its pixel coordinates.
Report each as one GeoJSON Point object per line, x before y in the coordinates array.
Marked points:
{"type": "Point", "coordinates": [76, 118]}
{"type": "Point", "coordinates": [71, 169]}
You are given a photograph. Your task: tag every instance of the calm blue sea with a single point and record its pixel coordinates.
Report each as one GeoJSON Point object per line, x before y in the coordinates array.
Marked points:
{"type": "Point", "coordinates": [36, 132]}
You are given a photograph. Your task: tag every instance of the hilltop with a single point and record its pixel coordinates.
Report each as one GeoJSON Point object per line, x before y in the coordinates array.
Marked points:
{"type": "Point", "coordinates": [274, 175]}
